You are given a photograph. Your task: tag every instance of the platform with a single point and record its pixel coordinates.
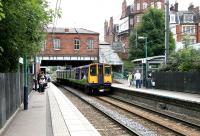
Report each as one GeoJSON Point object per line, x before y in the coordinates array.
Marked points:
{"type": "Point", "coordinates": [164, 93]}
{"type": "Point", "coordinates": [49, 114]}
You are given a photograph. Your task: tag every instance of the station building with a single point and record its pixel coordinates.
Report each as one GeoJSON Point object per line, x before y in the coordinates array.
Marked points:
{"type": "Point", "coordinates": [69, 47]}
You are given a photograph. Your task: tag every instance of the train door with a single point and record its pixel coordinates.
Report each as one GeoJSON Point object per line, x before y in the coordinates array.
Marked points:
{"type": "Point", "coordinates": [100, 73]}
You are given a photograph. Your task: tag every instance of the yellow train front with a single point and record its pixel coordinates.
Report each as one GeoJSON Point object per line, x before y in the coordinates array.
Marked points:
{"type": "Point", "coordinates": [95, 77]}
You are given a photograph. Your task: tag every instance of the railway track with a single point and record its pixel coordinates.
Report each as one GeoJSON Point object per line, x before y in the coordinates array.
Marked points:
{"type": "Point", "coordinates": [104, 125]}
{"type": "Point", "coordinates": [177, 126]}
{"type": "Point", "coordinates": [124, 118]}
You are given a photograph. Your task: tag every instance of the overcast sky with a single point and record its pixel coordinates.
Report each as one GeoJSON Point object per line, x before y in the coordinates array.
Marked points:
{"type": "Point", "coordinates": [91, 14]}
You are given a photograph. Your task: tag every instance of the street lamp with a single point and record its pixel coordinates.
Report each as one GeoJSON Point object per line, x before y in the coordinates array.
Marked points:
{"type": "Point", "coordinates": [145, 38]}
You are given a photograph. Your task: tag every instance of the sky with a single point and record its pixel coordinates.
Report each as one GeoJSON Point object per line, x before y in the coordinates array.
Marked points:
{"type": "Point", "coordinates": [91, 14]}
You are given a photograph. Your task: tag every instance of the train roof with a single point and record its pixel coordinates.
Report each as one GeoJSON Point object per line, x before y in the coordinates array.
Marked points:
{"type": "Point", "coordinates": [84, 66]}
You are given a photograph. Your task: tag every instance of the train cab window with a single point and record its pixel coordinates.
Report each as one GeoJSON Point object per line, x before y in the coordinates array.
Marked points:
{"type": "Point", "coordinates": [93, 70]}
{"type": "Point", "coordinates": [107, 70]}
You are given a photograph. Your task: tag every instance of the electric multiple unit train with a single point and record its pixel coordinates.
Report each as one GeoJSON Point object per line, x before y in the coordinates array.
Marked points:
{"type": "Point", "coordinates": [95, 77]}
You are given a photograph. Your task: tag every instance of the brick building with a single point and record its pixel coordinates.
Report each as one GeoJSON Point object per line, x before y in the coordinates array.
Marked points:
{"type": "Point", "coordinates": [185, 23]}
{"type": "Point", "coordinates": [140, 6]}
{"type": "Point", "coordinates": [111, 31]}
{"type": "Point", "coordinates": [130, 16]}
{"type": "Point", "coordinates": [74, 46]}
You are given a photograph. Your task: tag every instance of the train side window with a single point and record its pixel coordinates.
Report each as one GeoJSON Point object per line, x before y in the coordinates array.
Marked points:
{"type": "Point", "coordinates": [107, 70]}
{"type": "Point", "coordinates": [93, 70]}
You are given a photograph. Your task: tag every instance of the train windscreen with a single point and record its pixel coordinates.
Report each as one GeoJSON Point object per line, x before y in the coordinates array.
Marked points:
{"type": "Point", "coordinates": [93, 70]}
{"type": "Point", "coordinates": [107, 70]}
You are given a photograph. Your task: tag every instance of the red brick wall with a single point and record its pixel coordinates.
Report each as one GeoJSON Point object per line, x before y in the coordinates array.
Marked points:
{"type": "Point", "coordinates": [67, 45]}
{"type": "Point", "coordinates": [178, 32]}
{"type": "Point", "coordinates": [141, 11]}
{"type": "Point", "coordinates": [198, 33]}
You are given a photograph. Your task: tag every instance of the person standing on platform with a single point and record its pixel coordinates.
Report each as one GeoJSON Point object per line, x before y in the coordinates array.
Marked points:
{"type": "Point", "coordinates": [137, 77]}
{"type": "Point", "coordinates": [129, 79]}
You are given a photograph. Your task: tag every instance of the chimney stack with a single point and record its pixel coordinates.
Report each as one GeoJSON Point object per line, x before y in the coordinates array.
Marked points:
{"type": "Point", "coordinates": [191, 7]}
{"type": "Point", "coordinates": [176, 7]}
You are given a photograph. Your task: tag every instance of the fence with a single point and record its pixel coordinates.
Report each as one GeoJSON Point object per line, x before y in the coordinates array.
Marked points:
{"type": "Point", "coordinates": [11, 94]}
{"type": "Point", "coordinates": [177, 81]}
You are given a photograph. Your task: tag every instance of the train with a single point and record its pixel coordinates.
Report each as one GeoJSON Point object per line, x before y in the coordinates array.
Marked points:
{"type": "Point", "coordinates": [93, 78]}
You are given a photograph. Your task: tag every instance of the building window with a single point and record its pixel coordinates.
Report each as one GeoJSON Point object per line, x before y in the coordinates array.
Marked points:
{"type": "Point", "coordinates": [172, 18]}
{"type": "Point", "coordinates": [137, 18]}
{"type": "Point", "coordinates": [159, 5]}
{"type": "Point", "coordinates": [117, 28]}
{"type": "Point", "coordinates": [189, 29]}
{"type": "Point", "coordinates": [144, 5]}
{"type": "Point", "coordinates": [138, 6]}
{"type": "Point", "coordinates": [193, 41]}
{"type": "Point", "coordinates": [188, 18]}
{"type": "Point", "coordinates": [56, 44]}
{"type": "Point", "coordinates": [152, 4]}
{"type": "Point", "coordinates": [90, 44]}
{"type": "Point", "coordinates": [131, 21]}
{"type": "Point", "coordinates": [76, 44]}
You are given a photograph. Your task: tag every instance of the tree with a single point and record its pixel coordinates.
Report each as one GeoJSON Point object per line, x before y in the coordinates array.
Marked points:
{"type": "Point", "coordinates": [2, 15]}
{"type": "Point", "coordinates": [151, 26]}
{"type": "Point", "coordinates": [186, 59]}
{"type": "Point", "coordinates": [22, 32]}
{"type": "Point", "coordinates": [185, 40]}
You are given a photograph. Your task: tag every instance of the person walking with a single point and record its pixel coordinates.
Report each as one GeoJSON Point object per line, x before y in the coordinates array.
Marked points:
{"type": "Point", "coordinates": [137, 77]}
{"type": "Point", "coordinates": [129, 79]}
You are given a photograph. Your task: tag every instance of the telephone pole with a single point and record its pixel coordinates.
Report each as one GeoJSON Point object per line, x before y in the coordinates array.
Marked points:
{"type": "Point", "coordinates": [166, 30]}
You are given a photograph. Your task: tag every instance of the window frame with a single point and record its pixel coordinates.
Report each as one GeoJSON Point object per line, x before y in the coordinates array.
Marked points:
{"type": "Point", "coordinates": [189, 29]}
{"type": "Point", "coordinates": [144, 5]}
{"type": "Point", "coordinates": [172, 18]}
{"type": "Point", "coordinates": [187, 17]}
{"type": "Point", "coordinates": [138, 18]}
{"type": "Point", "coordinates": [77, 44]}
{"type": "Point", "coordinates": [159, 5]}
{"type": "Point", "coordinates": [90, 44]}
{"type": "Point", "coordinates": [56, 44]}
{"type": "Point", "coordinates": [138, 6]}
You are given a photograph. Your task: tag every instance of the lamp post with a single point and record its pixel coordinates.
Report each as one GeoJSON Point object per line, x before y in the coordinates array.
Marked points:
{"type": "Point", "coordinates": [146, 69]}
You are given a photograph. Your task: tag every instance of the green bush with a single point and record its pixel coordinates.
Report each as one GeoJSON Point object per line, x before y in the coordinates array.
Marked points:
{"type": "Point", "coordinates": [186, 59]}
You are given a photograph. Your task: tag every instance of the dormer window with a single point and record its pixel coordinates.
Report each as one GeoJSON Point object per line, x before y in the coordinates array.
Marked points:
{"type": "Point", "coordinates": [188, 18]}
{"type": "Point", "coordinates": [172, 18]}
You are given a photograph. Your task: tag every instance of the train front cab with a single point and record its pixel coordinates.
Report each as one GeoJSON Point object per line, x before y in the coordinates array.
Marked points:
{"type": "Point", "coordinates": [107, 78]}
{"type": "Point", "coordinates": [100, 77]}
